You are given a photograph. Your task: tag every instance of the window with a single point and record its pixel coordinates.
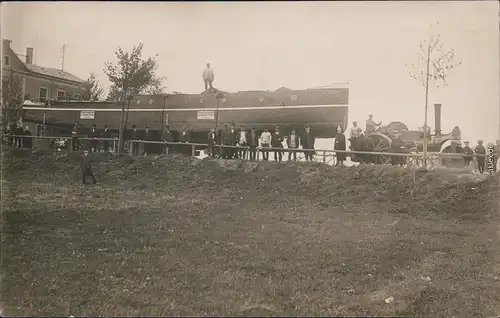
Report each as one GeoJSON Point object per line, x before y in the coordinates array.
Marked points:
{"type": "Point", "coordinates": [6, 60]}
{"type": "Point", "coordinates": [42, 94]}
{"type": "Point", "coordinates": [61, 94]}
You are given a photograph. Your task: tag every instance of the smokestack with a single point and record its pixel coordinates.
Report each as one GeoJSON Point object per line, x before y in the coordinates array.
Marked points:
{"type": "Point", "coordinates": [29, 55]}
{"type": "Point", "coordinates": [6, 44]}
{"type": "Point", "coordinates": [437, 119]}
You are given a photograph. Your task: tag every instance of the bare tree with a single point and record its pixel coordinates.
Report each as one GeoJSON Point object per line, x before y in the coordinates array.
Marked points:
{"type": "Point", "coordinates": [131, 75]}
{"type": "Point", "coordinates": [13, 98]}
{"type": "Point", "coordinates": [94, 91]}
{"type": "Point", "coordinates": [432, 70]}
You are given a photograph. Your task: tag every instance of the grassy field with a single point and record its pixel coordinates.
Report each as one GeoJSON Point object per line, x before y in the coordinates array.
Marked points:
{"type": "Point", "coordinates": [173, 236]}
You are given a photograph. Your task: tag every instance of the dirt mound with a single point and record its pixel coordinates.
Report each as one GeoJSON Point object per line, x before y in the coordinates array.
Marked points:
{"type": "Point", "coordinates": [437, 190]}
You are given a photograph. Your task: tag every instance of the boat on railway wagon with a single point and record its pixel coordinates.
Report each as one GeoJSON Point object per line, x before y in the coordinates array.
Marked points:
{"type": "Point", "coordinates": [323, 108]}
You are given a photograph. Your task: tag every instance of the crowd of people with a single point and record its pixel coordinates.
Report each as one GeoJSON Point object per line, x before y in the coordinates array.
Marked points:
{"type": "Point", "coordinates": [243, 143]}
{"type": "Point", "coordinates": [236, 143]}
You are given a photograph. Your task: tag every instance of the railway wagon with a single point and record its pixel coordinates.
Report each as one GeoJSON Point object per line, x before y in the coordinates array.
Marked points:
{"type": "Point", "coordinates": [324, 109]}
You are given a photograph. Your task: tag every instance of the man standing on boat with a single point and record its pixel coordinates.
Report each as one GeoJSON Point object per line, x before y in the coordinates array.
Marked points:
{"type": "Point", "coordinates": [208, 77]}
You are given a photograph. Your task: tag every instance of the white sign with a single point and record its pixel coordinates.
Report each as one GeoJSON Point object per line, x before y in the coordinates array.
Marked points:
{"type": "Point", "coordinates": [205, 114]}
{"type": "Point", "coordinates": [87, 114]}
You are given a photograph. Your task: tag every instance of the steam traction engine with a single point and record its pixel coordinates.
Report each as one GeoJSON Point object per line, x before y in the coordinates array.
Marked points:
{"type": "Point", "coordinates": [397, 135]}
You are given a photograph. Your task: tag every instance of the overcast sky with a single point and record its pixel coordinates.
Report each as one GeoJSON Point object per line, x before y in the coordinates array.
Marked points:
{"type": "Point", "coordinates": [298, 45]}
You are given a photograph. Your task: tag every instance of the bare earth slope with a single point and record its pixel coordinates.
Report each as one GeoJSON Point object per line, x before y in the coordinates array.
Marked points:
{"type": "Point", "coordinates": [175, 236]}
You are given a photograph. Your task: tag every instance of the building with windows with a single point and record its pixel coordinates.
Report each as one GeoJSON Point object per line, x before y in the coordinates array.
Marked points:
{"type": "Point", "coordinates": [40, 84]}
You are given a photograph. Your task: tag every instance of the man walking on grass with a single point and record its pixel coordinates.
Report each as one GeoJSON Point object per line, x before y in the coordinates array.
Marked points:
{"type": "Point", "coordinates": [86, 167]}
{"type": "Point", "coordinates": [481, 158]}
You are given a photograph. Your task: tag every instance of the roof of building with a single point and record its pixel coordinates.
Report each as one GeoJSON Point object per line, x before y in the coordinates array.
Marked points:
{"type": "Point", "coordinates": [53, 72]}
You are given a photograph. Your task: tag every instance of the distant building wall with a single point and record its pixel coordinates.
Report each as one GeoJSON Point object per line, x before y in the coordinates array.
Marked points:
{"type": "Point", "coordinates": [35, 84]}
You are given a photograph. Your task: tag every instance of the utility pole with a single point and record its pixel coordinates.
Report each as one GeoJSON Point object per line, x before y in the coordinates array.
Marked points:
{"type": "Point", "coordinates": [426, 102]}
{"type": "Point", "coordinates": [63, 50]}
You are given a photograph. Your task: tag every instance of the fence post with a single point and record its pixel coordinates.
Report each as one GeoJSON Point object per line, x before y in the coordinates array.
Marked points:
{"type": "Point", "coordinates": [193, 150]}
{"type": "Point", "coordinates": [324, 156]}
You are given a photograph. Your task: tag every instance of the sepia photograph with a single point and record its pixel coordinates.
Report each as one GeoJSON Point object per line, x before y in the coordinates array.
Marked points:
{"type": "Point", "coordinates": [253, 158]}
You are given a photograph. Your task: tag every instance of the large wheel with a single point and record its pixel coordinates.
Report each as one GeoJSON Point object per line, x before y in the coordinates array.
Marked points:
{"type": "Point", "coordinates": [381, 143]}
{"type": "Point", "coordinates": [396, 127]}
{"type": "Point", "coordinates": [451, 161]}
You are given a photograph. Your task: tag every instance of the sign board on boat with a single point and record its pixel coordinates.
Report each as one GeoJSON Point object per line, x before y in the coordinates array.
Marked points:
{"type": "Point", "coordinates": [206, 114]}
{"type": "Point", "coordinates": [87, 114]}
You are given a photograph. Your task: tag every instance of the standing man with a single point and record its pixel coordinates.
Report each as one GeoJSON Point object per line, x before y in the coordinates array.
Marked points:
{"type": "Point", "coordinates": [354, 130]}
{"type": "Point", "coordinates": [496, 155]}
{"type": "Point", "coordinates": [75, 135]}
{"type": "Point", "coordinates": [340, 144]}
{"type": "Point", "coordinates": [265, 142]}
{"type": "Point", "coordinates": [212, 141]}
{"type": "Point", "coordinates": [185, 138]}
{"type": "Point", "coordinates": [167, 136]}
{"type": "Point", "coordinates": [18, 131]}
{"type": "Point", "coordinates": [28, 141]}
{"type": "Point", "coordinates": [468, 154]}
{"type": "Point", "coordinates": [135, 138]}
{"type": "Point", "coordinates": [94, 143]}
{"type": "Point", "coordinates": [276, 142]}
{"type": "Point", "coordinates": [243, 142]}
{"type": "Point", "coordinates": [148, 136]}
{"type": "Point", "coordinates": [86, 167]}
{"type": "Point", "coordinates": [371, 126]}
{"type": "Point", "coordinates": [233, 140]}
{"type": "Point", "coordinates": [308, 141]}
{"type": "Point", "coordinates": [481, 160]}
{"type": "Point", "coordinates": [253, 142]}
{"type": "Point", "coordinates": [293, 142]}
{"type": "Point", "coordinates": [225, 141]}
{"type": "Point", "coordinates": [106, 134]}
{"type": "Point", "coordinates": [208, 77]}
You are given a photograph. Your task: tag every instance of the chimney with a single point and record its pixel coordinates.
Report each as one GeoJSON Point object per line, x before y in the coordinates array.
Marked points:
{"type": "Point", "coordinates": [29, 55]}
{"type": "Point", "coordinates": [6, 44]}
{"type": "Point", "coordinates": [437, 119]}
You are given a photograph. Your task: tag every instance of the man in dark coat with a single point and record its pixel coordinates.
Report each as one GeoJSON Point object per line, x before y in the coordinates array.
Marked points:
{"type": "Point", "coordinates": [185, 137]}
{"type": "Point", "coordinates": [225, 141]}
{"type": "Point", "coordinates": [308, 140]}
{"type": "Point", "coordinates": [93, 135]}
{"type": "Point", "coordinates": [468, 154]}
{"type": "Point", "coordinates": [233, 141]}
{"type": "Point", "coordinates": [106, 134]}
{"type": "Point", "coordinates": [75, 135]}
{"type": "Point", "coordinates": [10, 133]}
{"type": "Point", "coordinates": [276, 142]}
{"type": "Point", "coordinates": [397, 147]}
{"type": "Point", "coordinates": [86, 167]}
{"type": "Point", "coordinates": [340, 144]}
{"type": "Point", "coordinates": [212, 141]}
{"type": "Point", "coordinates": [19, 132]}
{"type": "Point", "coordinates": [27, 141]}
{"type": "Point", "coordinates": [481, 158]}
{"type": "Point", "coordinates": [167, 136]}
{"type": "Point", "coordinates": [134, 137]}
{"type": "Point", "coordinates": [253, 143]}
